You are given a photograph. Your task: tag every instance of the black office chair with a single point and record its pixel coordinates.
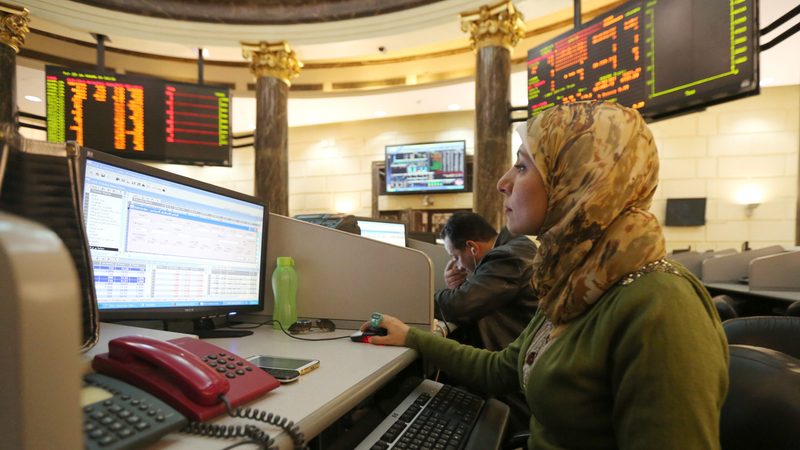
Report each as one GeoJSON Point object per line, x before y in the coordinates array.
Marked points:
{"type": "Point", "coordinates": [774, 332]}
{"type": "Point", "coordinates": [793, 309]}
{"type": "Point", "coordinates": [762, 409]}
{"type": "Point", "coordinates": [724, 304]}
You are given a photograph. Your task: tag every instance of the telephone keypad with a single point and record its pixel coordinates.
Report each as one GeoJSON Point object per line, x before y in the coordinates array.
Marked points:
{"type": "Point", "coordinates": [226, 364]}
{"type": "Point", "coordinates": [130, 419]}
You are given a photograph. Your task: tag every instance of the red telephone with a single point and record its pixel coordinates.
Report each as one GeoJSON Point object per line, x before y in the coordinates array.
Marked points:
{"type": "Point", "coordinates": [187, 373]}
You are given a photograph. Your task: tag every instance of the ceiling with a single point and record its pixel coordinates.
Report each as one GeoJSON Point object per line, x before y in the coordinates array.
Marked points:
{"type": "Point", "coordinates": [430, 27]}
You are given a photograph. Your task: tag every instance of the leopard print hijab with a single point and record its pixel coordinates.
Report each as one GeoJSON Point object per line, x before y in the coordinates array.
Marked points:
{"type": "Point", "coordinates": [600, 168]}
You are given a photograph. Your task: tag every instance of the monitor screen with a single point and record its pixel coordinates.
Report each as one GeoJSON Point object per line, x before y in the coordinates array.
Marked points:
{"type": "Point", "coordinates": [139, 117]}
{"type": "Point", "coordinates": [166, 246]}
{"type": "Point", "coordinates": [661, 57]}
{"type": "Point", "coordinates": [685, 212]}
{"type": "Point", "coordinates": [426, 168]}
{"type": "Point", "coordinates": [383, 230]}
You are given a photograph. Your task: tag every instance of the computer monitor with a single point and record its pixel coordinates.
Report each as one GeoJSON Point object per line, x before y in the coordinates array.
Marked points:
{"type": "Point", "coordinates": [426, 168]}
{"type": "Point", "coordinates": [382, 230]}
{"type": "Point", "coordinates": [164, 246]}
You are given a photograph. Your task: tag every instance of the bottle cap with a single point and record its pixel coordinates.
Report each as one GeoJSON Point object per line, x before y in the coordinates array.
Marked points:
{"type": "Point", "coordinates": [285, 261]}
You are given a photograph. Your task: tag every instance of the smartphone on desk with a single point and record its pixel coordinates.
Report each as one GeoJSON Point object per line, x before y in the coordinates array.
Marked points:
{"type": "Point", "coordinates": [283, 369]}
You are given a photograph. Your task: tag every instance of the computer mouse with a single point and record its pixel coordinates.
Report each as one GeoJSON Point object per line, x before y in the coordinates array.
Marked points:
{"type": "Point", "coordinates": [364, 336]}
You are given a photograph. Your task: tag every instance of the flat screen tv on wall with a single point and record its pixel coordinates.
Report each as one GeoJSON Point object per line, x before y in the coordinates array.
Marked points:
{"type": "Point", "coordinates": [426, 168]}
{"type": "Point", "coordinates": [685, 212]}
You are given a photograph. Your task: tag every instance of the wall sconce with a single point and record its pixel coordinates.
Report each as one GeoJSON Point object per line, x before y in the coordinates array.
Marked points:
{"type": "Point", "coordinates": [750, 196]}
{"type": "Point", "coordinates": [748, 209]}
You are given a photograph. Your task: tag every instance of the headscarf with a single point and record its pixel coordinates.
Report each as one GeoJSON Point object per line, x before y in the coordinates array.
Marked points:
{"type": "Point", "coordinates": [600, 169]}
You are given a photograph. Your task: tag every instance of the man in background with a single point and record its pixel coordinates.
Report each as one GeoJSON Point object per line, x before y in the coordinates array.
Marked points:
{"type": "Point", "coordinates": [488, 281]}
{"type": "Point", "coordinates": [489, 294]}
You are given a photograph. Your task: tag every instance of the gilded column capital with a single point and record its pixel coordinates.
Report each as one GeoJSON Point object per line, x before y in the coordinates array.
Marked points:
{"type": "Point", "coordinates": [498, 25]}
{"type": "Point", "coordinates": [272, 60]}
{"type": "Point", "coordinates": [13, 25]}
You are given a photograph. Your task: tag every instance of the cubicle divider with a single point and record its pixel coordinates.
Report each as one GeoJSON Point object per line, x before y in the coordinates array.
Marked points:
{"type": "Point", "coordinates": [779, 272]}
{"type": "Point", "coordinates": [345, 277]}
{"type": "Point", "coordinates": [439, 259]}
{"type": "Point", "coordinates": [693, 261]}
{"type": "Point", "coordinates": [731, 268]}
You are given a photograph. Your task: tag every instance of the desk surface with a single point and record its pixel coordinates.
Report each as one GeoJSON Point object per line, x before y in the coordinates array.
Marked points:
{"type": "Point", "coordinates": [348, 373]}
{"type": "Point", "coordinates": [789, 296]}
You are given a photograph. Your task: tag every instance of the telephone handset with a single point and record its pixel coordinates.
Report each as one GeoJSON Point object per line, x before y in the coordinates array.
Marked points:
{"type": "Point", "coordinates": [190, 374]}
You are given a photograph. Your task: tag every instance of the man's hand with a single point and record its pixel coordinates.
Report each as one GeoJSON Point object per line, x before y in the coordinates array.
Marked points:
{"type": "Point", "coordinates": [453, 275]}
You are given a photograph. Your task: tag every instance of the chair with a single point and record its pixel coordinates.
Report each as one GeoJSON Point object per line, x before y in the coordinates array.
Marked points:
{"type": "Point", "coordinates": [724, 304]}
{"type": "Point", "coordinates": [774, 332]}
{"type": "Point", "coordinates": [762, 409]}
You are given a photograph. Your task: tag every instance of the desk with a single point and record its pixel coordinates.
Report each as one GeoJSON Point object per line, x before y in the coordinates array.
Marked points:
{"type": "Point", "coordinates": [736, 288]}
{"type": "Point", "coordinates": [348, 373]}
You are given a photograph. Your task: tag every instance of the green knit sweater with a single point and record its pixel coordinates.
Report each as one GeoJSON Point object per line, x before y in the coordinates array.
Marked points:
{"type": "Point", "coordinates": [645, 368]}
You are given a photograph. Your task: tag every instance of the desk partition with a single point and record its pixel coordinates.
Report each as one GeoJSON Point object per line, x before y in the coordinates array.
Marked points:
{"type": "Point", "coordinates": [693, 261]}
{"type": "Point", "coordinates": [731, 268]}
{"type": "Point", "coordinates": [779, 272]}
{"type": "Point", "coordinates": [439, 259]}
{"type": "Point", "coordinates": [345, 277]}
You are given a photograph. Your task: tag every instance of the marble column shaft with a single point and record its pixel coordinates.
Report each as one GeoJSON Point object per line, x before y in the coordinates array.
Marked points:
{"type": "Point", "coordinates": [271, 144]}
{"type": "Point", "coordinates": [492, 137]}
{"type": "Point", "coordinates": [8, 80]}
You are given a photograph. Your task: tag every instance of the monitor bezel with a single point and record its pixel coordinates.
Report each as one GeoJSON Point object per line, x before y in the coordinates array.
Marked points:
{"type": "Point", "coordinates": [177, 313]}
{"type": "Point", "coordinates": [431, 191]}
{"type": "Point", "coordinates": [372, 219]}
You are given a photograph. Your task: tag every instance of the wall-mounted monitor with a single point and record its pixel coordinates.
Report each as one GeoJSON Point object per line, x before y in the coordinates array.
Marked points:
{"type": "Point", "coordinates": [164, 246]}
{"type": "Point", "coordinates": [382, 230]}
{"type": "Point", "coordinates": [662, 57]}
{"type": "Point", "coordinates": [426, 168]}
{"type": "Point", "coordinates": [685, 212]}
{"type": "Point", "coordinates": [139, 117]}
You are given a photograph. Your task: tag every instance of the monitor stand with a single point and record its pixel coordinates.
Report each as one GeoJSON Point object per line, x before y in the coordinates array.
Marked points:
{"type": "Point", "coordinates": [205, 329]}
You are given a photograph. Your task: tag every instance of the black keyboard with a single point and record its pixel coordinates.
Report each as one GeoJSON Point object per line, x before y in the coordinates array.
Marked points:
{"type": "Point", "coordinates": [433, 416]}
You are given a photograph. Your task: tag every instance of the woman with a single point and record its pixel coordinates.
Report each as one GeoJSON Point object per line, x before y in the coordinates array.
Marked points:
{"type": "Point", "coordinates": [626, 350]}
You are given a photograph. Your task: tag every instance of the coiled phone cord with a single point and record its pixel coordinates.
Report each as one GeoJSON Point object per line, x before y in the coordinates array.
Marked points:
{"type": "Point", "coordinates": [256, 435]}
{"type": "Point", "coordinates": [250, 431]}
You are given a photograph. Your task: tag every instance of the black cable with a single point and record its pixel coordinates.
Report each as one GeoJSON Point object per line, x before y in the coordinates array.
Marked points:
{"type": "Point", "coordinates": [256, 436]}
{"type": "Point", "coordinates": [268, 322]}
{"type": "Point", "coordinates": [780, 38]}
{"type": "Point", "coordinates": [272, 419]}
{"type": "Point", "coordinates": [780, 20]}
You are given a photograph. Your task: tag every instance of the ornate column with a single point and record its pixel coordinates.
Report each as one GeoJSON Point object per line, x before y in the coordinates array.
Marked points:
{"type": "Point", "coordinates": [13, 27]}
{"type": "Point", "coordinates": [273, 65]}
{"type": "Point", "coordinates": [494, 31]}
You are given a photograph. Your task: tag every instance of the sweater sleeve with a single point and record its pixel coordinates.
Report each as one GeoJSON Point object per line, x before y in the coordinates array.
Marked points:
{"type": "Point", "coordinates": [481, 370]}
{"type": "Point", "coordinates": [669, 369]}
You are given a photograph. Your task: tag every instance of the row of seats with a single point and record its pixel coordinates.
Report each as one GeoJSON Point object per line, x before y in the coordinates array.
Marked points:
{"type": "Point", "coordinates": [762, 410]}
{"type": "Point", "coordinates": [727, 310]}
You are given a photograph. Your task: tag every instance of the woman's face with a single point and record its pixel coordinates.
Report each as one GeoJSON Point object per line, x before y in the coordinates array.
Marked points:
{"type": "Point", "coordinates": [525, 196]}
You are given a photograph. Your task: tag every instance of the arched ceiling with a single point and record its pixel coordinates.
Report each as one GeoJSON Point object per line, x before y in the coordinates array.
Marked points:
{"type": "Point", "coordinates": [417, 27]}
{"type": "Point", "coordinates": [258, 12]}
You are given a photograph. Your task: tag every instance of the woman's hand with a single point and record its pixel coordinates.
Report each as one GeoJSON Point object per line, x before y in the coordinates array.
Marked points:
{"type": "Point", "coordinates": [396, 331]}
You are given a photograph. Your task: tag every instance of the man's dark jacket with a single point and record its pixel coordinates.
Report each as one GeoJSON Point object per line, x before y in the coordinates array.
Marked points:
{"type": "Point", "coordinates": [497, 296]}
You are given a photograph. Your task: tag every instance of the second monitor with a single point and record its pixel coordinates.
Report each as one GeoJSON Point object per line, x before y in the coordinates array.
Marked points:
{"type": "Point", "coordinates": [387, 231]}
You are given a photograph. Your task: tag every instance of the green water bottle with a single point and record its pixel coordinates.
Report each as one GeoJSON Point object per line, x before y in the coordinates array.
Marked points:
{"type": "Point", "coordinates": [284, 289]}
